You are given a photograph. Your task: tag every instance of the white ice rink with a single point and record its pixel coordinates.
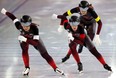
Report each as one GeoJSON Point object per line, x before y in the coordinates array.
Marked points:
{"type": "Point", "coordinates": [11, 64]}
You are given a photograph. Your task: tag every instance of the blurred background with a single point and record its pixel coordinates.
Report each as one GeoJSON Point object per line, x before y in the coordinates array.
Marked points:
{"type": "Point", "coordinates": [11, 64]}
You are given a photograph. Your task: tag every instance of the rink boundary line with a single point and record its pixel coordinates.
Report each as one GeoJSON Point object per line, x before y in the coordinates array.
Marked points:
{"type": "Point", "coordinates": [14, 10]}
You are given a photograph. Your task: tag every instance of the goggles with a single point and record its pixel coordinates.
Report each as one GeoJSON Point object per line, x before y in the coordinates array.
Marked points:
{"type": "Point", "coordinates": [74, 23]}
{"type": "Point", "coordinates": [84, 9]}
{"type": "Point", "coordinates": [26, 24]}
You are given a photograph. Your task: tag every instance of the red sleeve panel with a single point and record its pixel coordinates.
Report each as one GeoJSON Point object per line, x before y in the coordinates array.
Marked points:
{"type": "Point", "coordinates": [82, 36]}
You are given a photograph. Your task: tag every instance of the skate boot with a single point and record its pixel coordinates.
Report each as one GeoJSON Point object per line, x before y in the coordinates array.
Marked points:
{"type": "Point", "coordinates": [57, 70]}
{"type": "Point", "coordinates": [80, 49]}
{"type": "Point", "coordinates": [80, 67]}
{"type": "Point", "coordinates": [65, 58]}
{"type": "Point", "coordinates": [107, 67]}
{"type": "Point", "coordinates": [26, 71]}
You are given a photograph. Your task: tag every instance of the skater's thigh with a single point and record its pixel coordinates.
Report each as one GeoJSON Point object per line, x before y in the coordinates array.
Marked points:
{"type": "Point", "coordinates": [24, 46]}
{"type": "Point", "coordinates": [88, 43]}
{"type": "Point", "coordinates": [40, 47]}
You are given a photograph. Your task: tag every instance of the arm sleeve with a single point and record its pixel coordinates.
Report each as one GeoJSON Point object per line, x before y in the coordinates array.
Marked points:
{"type": "Point", "coordinates": [14, 19]}
{"type": "Point", "coordinates": [36, 30]}
{"type": "Point", "coordinates": [99, 27]}
{"type": "Point", "coordinates": [36, 33]}
{"type": "Point", "coordinates": [73, 10]}
{"type": "Point", "coordinates": [97, 19]}
{"type": "Point", "coordinates": [64, 21]}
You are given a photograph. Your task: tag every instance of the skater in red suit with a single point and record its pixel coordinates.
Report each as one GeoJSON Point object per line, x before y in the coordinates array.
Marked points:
{"type": "Point", "coordinates": [89, 18]}
{"type": "Point", "coordinates": [29, 35]}
{"type": "Point", "coordinates": [77, 35]}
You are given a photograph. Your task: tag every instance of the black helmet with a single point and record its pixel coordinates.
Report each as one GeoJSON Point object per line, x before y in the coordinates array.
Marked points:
{"type": "Point", "coordinates": [74, 20]}
{"type": "Point", "coordinates": [83, 4]}
{"type": "Point", "coordinates": [26, 20]}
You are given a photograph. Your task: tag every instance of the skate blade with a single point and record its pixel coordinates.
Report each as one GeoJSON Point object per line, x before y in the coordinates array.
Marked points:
{"type": "Point", "coordinates": [110, 71]}
{"type": "Point", "coordinates": [80, 72]}
{"type": "Point", "coordinates": [64, 76]}
{"type": "Point", "coordinates": [26, 74]}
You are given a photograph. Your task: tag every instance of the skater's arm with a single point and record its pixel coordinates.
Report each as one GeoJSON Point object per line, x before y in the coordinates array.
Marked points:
{"type": "Point", "coordinates": [65, 23]}
{"type": "Point", "coordinates": [99, 27]}
{"type": "Point", "coordinates": [97, 19]}
{"type": "Point", "coordinates": [12, 17]}
{"type": "Point", "coordinates": [70, 12]}
{"type": "Point", "coordinates": [36, 33]}
{"type": "Point", "coordinates": [28, 40]}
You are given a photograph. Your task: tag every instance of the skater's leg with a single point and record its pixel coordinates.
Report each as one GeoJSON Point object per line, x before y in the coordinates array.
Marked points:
{"type": "Point", "coordinates": [100, 58]}
{"type": "Point", "coordinates": [67, 56]}
{"type": "Point", "coordinates": [25, 56]}
{"type": "Point", "coordinates": [74, 51]}
{"type": "Point", "coordinates": [80, 48]}
{"type": "Point", "coordinates": [41, 48]}
{"type": "Point", "coordinates": [73, 46]}
{"type": "Point", "coordinates": [94, 51]}
{"type": "Point", "coordinates": [98, 55]}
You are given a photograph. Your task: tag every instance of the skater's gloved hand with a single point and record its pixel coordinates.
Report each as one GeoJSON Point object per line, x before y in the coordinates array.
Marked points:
{"type": "Point", "coordinates": [54, 16]}
{"type": "Point", "coordinates": [60, 28]}
{"type": "Point", "coordinates": [97, 40]}
{"type": "Point", "coordinates": [22, 38]}
{"type": "Point", "coordinates": [70, 37]}
{"type": "Point", "coordinates": [3, 11]}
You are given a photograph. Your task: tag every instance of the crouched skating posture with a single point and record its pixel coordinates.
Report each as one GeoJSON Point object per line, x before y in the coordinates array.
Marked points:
{"type": "Point", "coordinates": [29, 35]}
{"type": "Point", "coordinates": [77, 35]}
